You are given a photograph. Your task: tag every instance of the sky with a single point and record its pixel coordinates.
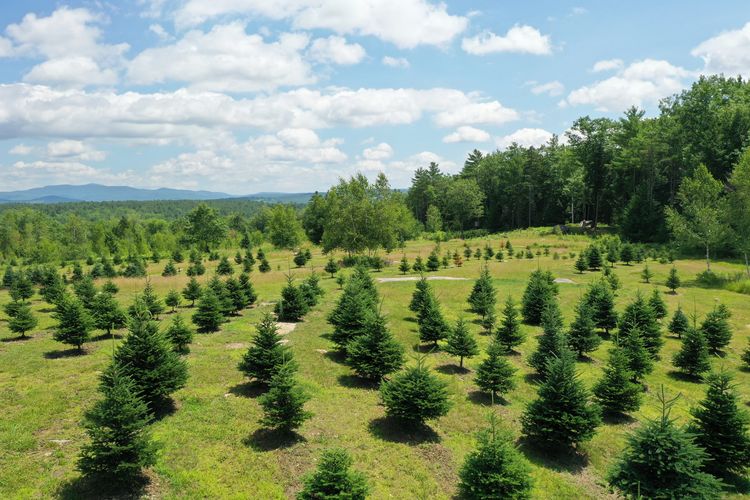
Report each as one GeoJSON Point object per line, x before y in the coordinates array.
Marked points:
{"type": "Point", "coordinates": [245, 96]}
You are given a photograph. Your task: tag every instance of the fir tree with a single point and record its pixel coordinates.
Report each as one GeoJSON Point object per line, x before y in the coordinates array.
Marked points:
{"type": "Point", "coordinates": [562, 416]}
{"type": "Point", "coordinates": [626, 254]}
{"type": "Point", "coordinates": [404, 265]}
{"type": "Point", "coordinates": [248, 262]}
{"type": "Point", "coordinates": [418, 266]}
{"type": "Point", "coordinates": [461, 343]}
{"type": "Point", "coordinates": [334, 480]}
{"type": "Point", "coordinates": [248, 288]}
{"type": "Point", "coordinates": [192, 291]}
{"type": "Point", "coordinates": [500, 256]}
{"type": "Point", "coordinates": [375, 353]}
{"type": "Point", "coordinates": [673, 280]}
{"type": "Point", "coordinates": [21, 289]}
{"type": "Point", "coordinates": [53, 289]}
{"type": "Point", "coordinates": [73, 322]}
{"type": "Point", "coordinates": [540, 290]}
{"type": "Point", "coordinates": [602, 302]}
{"type": "Point", "coordinates": [350, 314]}
{"type": "Point", "coordinates": [639, 315]}
{"type": "Point", "coordinates": [332, 267]}
{"type": "Point", "coordinates": [107, 313]}
{"type": "Point", "coordinates": [433, 262]}
{"type": "Point", "coordinates": [264, 266]}
{"type": "Point", "coordinates": [77, 273]}
{"type": "Point", "coordinates": [23, 320]}
{"type": "Point", "coordinates": [169, 269]}
{"type": "Point", "coordinates": [299, 258]}
{"type": "Point", "coordinates": [110, 288]}
{"type": "Point", "coordinates": [236, 294]}
{"type": "Point", "coordinates": [8, 276]}
{"type": "Point", "coordinates": [721, 428]}
{"type": "Point", "coordinates": [415, 395]}
{"type": "Point", "coordinates": [224, 268]}
{"type": "Point", "coordinates": [266, 354]}
{"type": "Point", "coordinates": [284, 403]}
{"type": "Point", "coordinates": [495, 373]}
{"type": "Point", "coordinates": [510, 334]}
{"type": "Point", "coordinates": [261, 254]}
{"type": "Point", "coordinates": [292, 306]}
{"type": "Point", "coordinates": [693, 358]}
{"type": "Point", "coordinates": [582, 337]}
{"type": "Point", "coordinates": [180, 335]}
{"type": "Point", "coordinates": [150, 301]}
{"type": "Point", "coordinates": [85, 290]}
{"type": "Point", "coordinates": [208, 317]}
{"type": "Point", "coordinates": [746, 356]}
{"type": "Point", "coordinates": [311, 289]}
{"type": "Point", "coordinates": [482, 296]}
{"type": "Point", "coordinates": [488, 321]}
{"type": "Point", "coordinates": [226, 304]}
{"type": "Point", "coordinates": [120, 446]}
{"type": "Point", "coordinates": [679, 323]}
{"type": "Point", "coordinates": [662, 460]}
{"type": "Point", "coordinates": [646, 274]}
{"type": "Point", "coordinates": [616, 392]}
{"type": "Point", "coordinates": [594, 257]}
{"type": "Point", "coordinates": [640, 362]}
{"type": "Point", "coordinates": [716, 329]}
{"type": "Point", "coordinates": [495, 469]}
{"type": "Point", "coordinates": [238, 257]}
{"type": "Point", "coordinates": [658, 306]}
{"type": "Point", "coordinates": [552, 342]}
{"type": "Point", "coordinates": [418, 297]}
{"type": "Point", "coordinates": [477, 253]}
{"type": "Point", "coordinates": [172, 299]}
{"type": "Point", "coordinates": [432, 325]}
{"type": "Point", "coordinates": [581, 264]}
{"type": "Point", "coordinates": [196, 269]}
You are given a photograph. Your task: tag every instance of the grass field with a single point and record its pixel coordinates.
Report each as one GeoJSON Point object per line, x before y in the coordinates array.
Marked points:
{"type": "Point", "coordinates": [211, 445]}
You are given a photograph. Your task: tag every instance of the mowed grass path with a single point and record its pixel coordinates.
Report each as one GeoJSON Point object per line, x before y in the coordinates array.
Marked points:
{"type": "Point", "coordinates": [211, 447]}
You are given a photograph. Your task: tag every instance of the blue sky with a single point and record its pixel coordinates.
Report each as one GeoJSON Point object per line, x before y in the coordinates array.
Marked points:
{"type": "Point", "coordinates": [244, 96]}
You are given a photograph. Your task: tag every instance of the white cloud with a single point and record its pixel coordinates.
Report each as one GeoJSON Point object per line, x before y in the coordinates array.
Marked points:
{"type": "Point", "coordinates": [643, 82]}
{"type": "Point", "coordinates": [159, 31]}
{"type": "Point", "coordinates": [524, 137]}
{"type": "Point", "coordinates": [21, 150]}
{"type": "Point", "coordinates": [480, 112]}
{"type": "Point", "coordinates": [225, 59]}
{"type": "Point", "coordinates": [336, 50]}
{"type": "Point", "coordinates": [395, 62]}
{"type": "Point", "coordinates": [27, 174]}
{"type": "Point", "coordinates": [71, 71]}
{"type": "Point", "coordinates": [553, 88]}
{"type": "Point", "coordinates": [382, 151]}
{"type": "Point", "coordinates": [728, 52]}
{"type": "Point", "coordinates": [521, 39]}
{"type": "Point", "coordinates": [467, 134]}
{"type": "Point", "coordinates": [607, 65]}
{"type": "Point", "coordinates": [71, 149]}
{"type": "Point", "coordinates": [405, 23]}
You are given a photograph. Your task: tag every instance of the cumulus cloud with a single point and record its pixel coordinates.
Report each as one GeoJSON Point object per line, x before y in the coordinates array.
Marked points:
{"type": "Point", "coordinates": [526, 137]}
{"type": "Point", "coordinates": [382, 151]}
{"type": "Point", "coordinates": [477, 112]}
{"type": "Point", "coordinates": [336, 50]}
{"type": "Point", "coordinates": [395, 62]}
{"type": "Point", "coordinates": [27, 174]}
{"type": "Point", "coordinates": [467, 134]}
{"type": "Point", "coordinates": [21, 150]}
{"type": "Point", "coordinates": [607, 65]}
{"type": "Point", "coordinates": [553, 88]}
{"type": "Point", "coordinates": [727, 52]}
{"type": "Point", "coordinates": [71, 149]}
{"type": "Point", "coordinates": [520, 39]}
{"type": "Point", "coordinates": [159, 31]}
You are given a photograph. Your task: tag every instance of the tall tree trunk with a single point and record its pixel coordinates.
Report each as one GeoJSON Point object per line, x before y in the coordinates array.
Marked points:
{"type": "Point", "coordinates": [708, 259]}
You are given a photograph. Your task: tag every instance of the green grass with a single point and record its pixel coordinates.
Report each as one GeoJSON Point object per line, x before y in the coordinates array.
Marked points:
{"type": "Point", "coordinates": [211, 447]}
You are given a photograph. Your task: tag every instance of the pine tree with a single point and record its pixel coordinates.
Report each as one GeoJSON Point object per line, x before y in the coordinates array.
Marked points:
{"type": "Point", "coordinates": [418, 266]}
{"type": "Point", "coordinates": [433, 262]}
{"type": "Point", "coordinates": [658, 306]}
{"type": "Point", "coordinates": [146, 356]}
{"type": "Point", "coordinates": [461, 343]}
{"type": "Point", "coordinates": [581, 264]}
{"type": "Point", "coordinates": [150, 301]}
{"type": "Point", "coordinates": [169, 269]}
{"type": "Point", "coordinates": [662, 460]}
{"type": "Point", "coordinates": [350, 314]}
{"type": "Point", "coordinates": [510, 334]}
{"type": "Point", "coordinates": [716, 329]}
{"type": "Point", "coordinates": [248, 262]}
{"type": "Point", "coordinates": [107, 313]}
{"type": "Point", "coordinates": [421, 291]}
{"type": "Point", "coordinates": [331, 267]}
{"type": "Point", "coordinates": [238, 257]}
{"type": "Point", "coordinates": [85, 290]}
{"type": "Point", "coordinates": [180, 335]}
{"type": "Point", "coordinates": [626, 254]}
{"type": "Point", "coordinates": [602, 302]}
{"type": "Point", "coordinates": [248, 288]}
{"type": "Point", "coordinates": [226, 304]}
{"type": "Point", "coordinates": [482, 296]}
{"type": "Point", "coordinates": [540, 289]}
{"type": "Point", "coordinates": [23, 320]}
{"type": "Point", "coordinates": [53, 289]}
{"type": "Point", "coordinates": [110, 288]}
{"type": "Point", "coordinates": [693, 358]}
{"type": "Point", "coordinates": [334, 480]}
{"type": "Point", "coordinates": [432, 325]}
{"type": "Point", "coordinates": [673, 280]}
{"type": "Point", "coordinates": [375, 353]}
{"type": "Point", "coordinates": [236, 294]}
{"type": "Point", "coordinates": [299, 258]}
{"type": "Point", "coordinates": [582, 337]}
{"type": "Point", "coordinates": [21, 289]}
{"type": "Point", "coordinates": [721, 428]}
{"type": "Point", "coordinates": [120, 446]}
{"type": "Point", "coordinates": [679, 323]}
{"type": "Point", "coordinates": [77, 273]}
{"type": "Point", "coordinates": [594, 257]}
{"type": "Point", "coordinates": [562, 415]}
{"type": "Point", "coordinates": [639, 315]}
{"type": "Point", "coordinates": [208, 317]}
{"type": "Point", "coordinates": [73, 322]}
{"type": "Point", "coordinates": [415, 395]}
{"type": "Point", "coordinates": [616, 392]}
{"type": "Point", "coordinates": [284, 403]}
{"type": "Point", "coordinates": [266, 354]}
{"type": "Point", "coordinates": [404, 265]}
{"type": "Point", "coordinates": [552, 342]}
{"type": "Point", "coordinates": [495, 469]}
{"type": "Point", "coordinates": [9, 276]}
{"type": "Point", "coordinates": [646, 274]}
{"type": "Point", "coordinates": [172, 299]}
{"type": "Point", "coordinates": [196, 269]}
{"type": "Point", "coordinates": [224, 268]}
{"type": "Point", "coordinates": [292, 306]}
{"type": "Point", "coordinates": [264, 266]}
{"type": "Point", "coordinates": [495, 373]}
{"type": "Point", "coordinates": [640, 362]}
{"type": "Point", "coordinates": [311, 290]}
{"type": "Point", "coordinates": [192, 291]}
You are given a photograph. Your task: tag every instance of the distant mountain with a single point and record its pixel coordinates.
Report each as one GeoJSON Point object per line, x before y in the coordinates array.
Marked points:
{"type": "Point", "coordinates": [97, 192]}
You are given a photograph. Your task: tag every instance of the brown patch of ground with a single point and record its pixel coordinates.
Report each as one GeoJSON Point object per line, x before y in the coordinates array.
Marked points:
{"type": "Point", "coordinates": [439, 460]}
{"type": "Point", "coordinates": [285, 328]}
{"type": "Point", "coordinates": [236, 345]}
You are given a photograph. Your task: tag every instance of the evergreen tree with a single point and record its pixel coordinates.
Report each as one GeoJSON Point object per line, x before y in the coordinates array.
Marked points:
{"type": "Point", "coordinates": [616, 392]}
{"type": "Point", "coordinates": [192, 291]}
{"type": "Point", "coordinates": [594, 257]}
{"type": "Point", "coordinates": [658, 306]}
{"type": "Point", "coordinates": [261, 254]}
{"type": "Point", "coordinates": [582, 337]}
{"type": "Point", "coordinates": [284, 403]}
{"type": "Point", "coordinates": [238, 257]}
{"type": "Point", "coordinates": [495, 373]}
{"type": "Point", "coordinates": [646, 274]}
{"type": "Point", "coordinates": [540, 290]}
{"type": "Point", "coordinates": [107, 313]}
{"type": "Point", "coordinates": [53, 289]}
{"type": "Point", "coordinates": [177, 256]}
{"type": "Point", "coordinates": [432, 325]}
{"type": "Point", "coordinates": [266, 354]}
{"type": "Point", "coordinates": [673, 280]}
{"type": "Point", "coordinates": [679, 323]}
{"type": "Point", "coordinates": [110, 288]}
{"type": "Point", "coordinates": [581, 264]}
{"type": "Point", "coordinates": [292, 306]}
{"type": "Point", "coordinates": [150, 301]}
{"type": "Point", "coordinates": [332, 267]}
{"type": "Point", "coordinates": [311, 289]}
{"type": "Point", "coordinates": [23, 320]}
{"type": "Point", "coordinates": [640, 362]}
{"type": "Point", "coordinates": [716, 329]}
{"type": "Point", "coordinates": [172, 299]}
{"type": "Point", "coordinates": [236, 294]}
{"type": "Point", "coordinates": [662, 460]}
{"type": "Point", "coordinates": [73, 322]}
{"type": "Point", "coordinates": [248, 262]}
{"type": "Point", "coordinates": [626, 254]}
{"type": "Point", "coordinates": [693, 358]}
{"type": "Point", "coordinates": [721, 428]}
{"type": "Point", "coordinates": [404, 265]}
{"type": "Point", "coordinates": [510, 334]}
{"type": "Point", "coordinates": [375, 353]}
{"type": "Point", "coordinates": [78, 272]}
{"type": "Point", "coordinates": [21, 289]}
{"type": "Point", "coordinates": [169, 269]}
{"type": "Point", "coordinates": [461, 343]}
{"type": "Point", "coordinates": [208, 317]}
{"type": "Point", "coordinates": [562, 415]}
{"type": "Point", "coordinates": [418, 266]}
{"type": "Point", "coordinates": [146, 356]}
{"type": "Point", "coordinates": [86, 291]}
{"type": "Point", "coordinates": [8, 276]}
{"type": "Point", "coordinates": [299, 258]}
{"type": "Point", "coordinates": [639, 315]}
{"type": "Point", "coordinates": [120, 446]}
{"type": "Point", "coordinates": [421, 291]}
{"type": "Point", "coordinates": [180, 335]}
{"type": "Point", "coordinates": [433, 262]}
{"type": "Point", "coordinates": [415, 395]}
{"type": "Point", "coordinates": [264, 266]}
{"type": "Point", "coordinates": [226, 304]}
{"type": "Point", "coordinates": [196, 269]}
{"type": "Point", "coordinates": [602, 302]}
{"type": "Point", "coordinates": [224, 268]}
{"type": "Point", "coordinates": [495, 469]}
{"type": "Point", "coordinates": [334, 480]}
{"type": "Point", "coordinates": [350, 314]}
{"type": "Point", "coordinates": [482, 296]}
{"type": "Point", "coordinates": [552, 342]}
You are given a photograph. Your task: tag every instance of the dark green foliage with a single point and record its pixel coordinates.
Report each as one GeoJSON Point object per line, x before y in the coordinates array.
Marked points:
{"type": "Point", "coordinates": [602, 302]}
{"type": "Point", "coordinates": [415, 395]}
{"type": "Point", "coordinates": [226, 304]}
{"type": "Point", "coordinates": [177, 256]}
{"type": "Point", "coordinates": [639, 315]}
{"type": "Point", "coordinates": [693, 358]}
{"type": "Point", "coordinates": [224, 268]}
{"type": "Point", "coordinates": [721, 428]}
{"type": "Point", "coordinates": [646, 274]}
{"type": "Point", "coordinates": [238, 257]}
{"type": "Point", "coordinates": [264, 266]}
{"type": "Point", "coordinates": [192, 291]}
{"type": "Point", "coordinates": [300, 259]}
{"type": "Point", "coordinates": [582, 337]}
{"type": "Point", "coordinates": [208, 317]}
{"type": "Point", "coordinates": [73, 322]}
{"type": "Point", "coordinates": [679, 323]}
{"type": "Point", "coordinates": [510, 334]}
{"type": "Point", "coordinates": [581, 264]}
{"type": "Point", "coordinates": [615, 391]}
{"type": "Point", "coordinates": [350, 314]}
{"type": "Point", "coordinates": [284, 403]}
{"type": "Point", "coordinates": [180, 335]}
{"type": "Point", "coordinates": [433, 262]}
{"type": "Point", "coordinates": [461, 343]}
{"type": "Point", "coordinates": [146, 356]}
{"type": "Point", "coordinates": [418, 266]}
{"type": "Point", "coordinates": [134, 268]}
{"type": "Point", "coordinates": [293, 304]}
{"type": "Point", "coordinates": [53, 288]}
{"type": "Point", "coordinates": [432, 325]}
{"type": "Point", "coordinates": [716, 329]}
{"type": "Point", "coordinates": [196, 269]}
{"type": "Point", "coordinates": [421, 291]}
{"type": "Point", "coordinates": [540, 290]}
{"type": "Point", "coordinates": [107, 313]}
{"type": "Point", "coordinates": [110, 288]}
{"type": "Point", "coordinates": [495, 469]}
{"type": "Point", "coordinates": [8, 276]}
{"type": "Point", "coordinates": [248, 262]}
{"type": "Point", "coordinates": [172, 299]}
{"type": "Point", "coordinates": [22, 320]}
{"type": "Point", "coordinates": [482, 296]}
{"type": "Point", "coordinates": [658, 306]}
{"type": "Point", "coordinates": [236, 294]}
{"type": "Point", "coordinates": [120, 446]}
{"type": "Point", "coordinates": [150, 301]}
{"type": "Point", "coordinates": [552, 342]}
{"type": "Point", "coordinates": [673, 280]}
{"type": "Point", "coordinates": [78, 271]}
{"type": "Point", "coordinates": [248, 288]}
{"type": "Point", "coordinates": [86, 291]}
{"type": "Point", "coordinates": [374, 353]}
{"type": "Point", "coordinates": [495, 373]}
{"type": "Point", "coordinates": [746, 356]}
{"type": "Point", "coordinates": [562, 416]}
{"type": "Point", "coordinates": [170, 269]}
{"type": "Point", "coordinates": [21, 289]}
{"type": "Point", "coordinates": [627, 254]}
{"type": "Point", "coordinates": [639, 359]}
{"type": "Point", "coordinates": [266, 354]}
{"type": "Point", "coordinates": [662, 460]}
{"type": "Point", "coordinates": [334, 480]}
{"type": "Point", "coordinates": [594, 257]}
{"type": "Point", "coordinates": [311, 289]}
{"type": "Point", "coordinates": [332, 267]}
{"type": "Point", "coordinates": [404, 265]}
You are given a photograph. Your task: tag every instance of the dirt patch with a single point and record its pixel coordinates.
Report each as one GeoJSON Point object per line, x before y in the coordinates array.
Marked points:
{"type": "Point", "coordinates": [439, 460]}
{"type": "Point", "coordinates": [321, 351]}
{"type": "Point", "coordinates": [236, 345]}
{"type": "Point", "coordinates": [285, 328]}
{"type": "Point", "coordinates": [415, 278]}
{"type": "Point", "coordinates": [266, 304]}
{"type": "Point", "coordinates": [564, 280]}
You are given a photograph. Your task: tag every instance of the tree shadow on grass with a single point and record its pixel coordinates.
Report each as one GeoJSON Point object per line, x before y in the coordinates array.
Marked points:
{"type": "Point", "coordinates": [410, 319]}
{"type": "Point", "coordinates": [355, 382]}
{"type": "Point", "coordinates": [582, 358]}
{"type": "Point", "coordinates": [452, 369]}
{"type": "Point", "coordinates": [251, 389]}
{"type": "Point", "coordinates": [684, 377]}
{"type": "Point", "coordinates": [47, 310]}
{"type": "Point", "coordinates": [84, 487]}
{"type": "Point", "coordinates": [485, 398]}
{"type": "Point", "coordinates": [617, 418]}
{"type": "Point", "coordinates": [16, 339]}
{"type": "Point", "coordinates": [64, 353]}
{"type": "Point", "coordinates": [106, 336]}
{"type": "Point", "coordinates": [395, 430]}
{"type": "Point", "coordinates": [559, 460]}
{"type": "Point", "coordinates": [533, 378]}
{"type": "Point", "coordinates": [425, 348]}
{"type": "Point", "coordinates": [337, 356]}
{"type": "Point", "coordinates": [272, 439]}
{"type": "Point", "coordinates": [164, 408]}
